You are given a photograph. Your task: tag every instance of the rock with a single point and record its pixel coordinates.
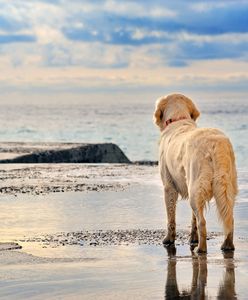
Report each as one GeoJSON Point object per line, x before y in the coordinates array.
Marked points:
{"type": "Point", "coordinates": [62, 153]}
{"type": "Point", "coordinates": [9, 246]}
{"type": "Point", "coordinates": [146, 162]}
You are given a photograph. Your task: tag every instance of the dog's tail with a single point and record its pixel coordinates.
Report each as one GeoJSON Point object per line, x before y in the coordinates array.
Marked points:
{"type": "Point", "coordinates": [224, 182]}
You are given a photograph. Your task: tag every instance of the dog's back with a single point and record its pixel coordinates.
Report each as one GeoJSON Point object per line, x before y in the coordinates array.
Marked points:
{"type": "Point", "coordinates": [200, 154]}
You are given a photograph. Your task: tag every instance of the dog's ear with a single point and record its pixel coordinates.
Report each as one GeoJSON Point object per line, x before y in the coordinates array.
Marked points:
{"type": "Point", "coordinates": [157, 117]}
{"type": "Point", "coordinates": [194, 113]}
{"type": "Point", "coordinates": [159, 111]}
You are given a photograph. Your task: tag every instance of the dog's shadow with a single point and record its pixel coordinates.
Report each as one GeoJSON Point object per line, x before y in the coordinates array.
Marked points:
{"type": "Point", "coordinates": [197, 290]}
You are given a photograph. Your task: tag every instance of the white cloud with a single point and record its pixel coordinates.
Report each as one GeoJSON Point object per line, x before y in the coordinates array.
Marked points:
{"type": "Point", "coordinates": [140, 34]}
{"type": "Point", "coordinates": [159, 12]}
{"type": "Point", "coordinates": [221, 38]}
{"type": "Point", "coordinates": [92, 55]}
{"type": "Point", "coordinates": [46, 34]}
{"type": "Point", "coordinates": [206, 6]}
{"type": "Point", "coordinates": [132, 9]}
{"type": "Point", "coordinates": [56, 61]}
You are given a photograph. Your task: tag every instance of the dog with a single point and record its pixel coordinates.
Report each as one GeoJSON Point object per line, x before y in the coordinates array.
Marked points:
{"type": "Point", "coordinates": [198, 164]}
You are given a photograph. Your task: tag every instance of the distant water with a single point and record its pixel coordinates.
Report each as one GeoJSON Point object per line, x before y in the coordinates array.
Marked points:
{"type": "Point", "coordinates": [128, 125]}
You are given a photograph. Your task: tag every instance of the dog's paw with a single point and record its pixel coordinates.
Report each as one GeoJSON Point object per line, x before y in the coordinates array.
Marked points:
{"type": "Point", "coordinates": [201, 250]}
{"type": "Point", "coordinates": [193, 242]}
{"type": "Point", "coordinates": [227, 246]}
{"type": "Point", "coordinates": [168, 241]}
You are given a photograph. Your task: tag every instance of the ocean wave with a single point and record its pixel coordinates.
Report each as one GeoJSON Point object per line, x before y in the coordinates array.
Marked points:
{"type": "Point", "coordinates": [25, 130]}
{"type": "Point", "coordinates": [231, 111]}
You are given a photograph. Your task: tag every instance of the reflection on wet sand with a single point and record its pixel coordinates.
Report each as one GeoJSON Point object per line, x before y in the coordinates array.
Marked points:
{"type": "Point", "coordinates": [198, 288]}
{"type": "Point", "coordinates": [227, 286]}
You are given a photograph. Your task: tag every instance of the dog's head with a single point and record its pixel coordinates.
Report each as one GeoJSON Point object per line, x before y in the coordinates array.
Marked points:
{"type": "Point", "coordinates": [174, 106]}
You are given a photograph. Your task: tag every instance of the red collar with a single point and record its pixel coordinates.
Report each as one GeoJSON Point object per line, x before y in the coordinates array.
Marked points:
{"type": "Point", "coordinates": [167, 122]}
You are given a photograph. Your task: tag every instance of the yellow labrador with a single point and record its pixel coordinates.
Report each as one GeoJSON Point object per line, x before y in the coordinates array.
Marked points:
{"type": "Point", "coordinates": [198, 164]}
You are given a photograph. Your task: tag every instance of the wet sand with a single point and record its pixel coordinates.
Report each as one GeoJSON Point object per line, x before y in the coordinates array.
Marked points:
{"type": "Point", "coordinates": [103, 240]}
{"type": "Point", "coordinates": [51, 178]}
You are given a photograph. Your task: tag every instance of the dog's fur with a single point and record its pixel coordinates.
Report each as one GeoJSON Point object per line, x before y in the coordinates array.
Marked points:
{"type": "Point", "coordinates": [198, 164]}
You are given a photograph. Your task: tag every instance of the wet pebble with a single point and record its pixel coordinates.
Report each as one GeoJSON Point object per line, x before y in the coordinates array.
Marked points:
{"type": "Point", "coordinates": [112, 237]}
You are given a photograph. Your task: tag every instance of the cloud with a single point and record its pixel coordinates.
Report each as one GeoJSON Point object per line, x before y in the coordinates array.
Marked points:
{"type": "Point", "coordinates": [119, 36]}
{"type": "Point", "coordinates": [185, 33]}
{"type": "Point", "coordinates": [177, 62]}
{"type": "Point", "coordinates": [146, 42]}
{"type": "Point", "coordinates": [231, 18]}
{"type": "Point", "coordinates": [16, 38]}
{"type": "Point", "coordinates": [212, 50]}
{"type": "Point", "coordinates": [135, 9]}
{"type": "Point", "coordinates": [9, 24]}
{"type": "Point", "coordinates": [99, 84]}
{"type": "Point", "coordinates": [183, 52]}
{"type": "Point", "coordinates": [117, 26]}
{"type": "Point", "coordinates": [61, 55]}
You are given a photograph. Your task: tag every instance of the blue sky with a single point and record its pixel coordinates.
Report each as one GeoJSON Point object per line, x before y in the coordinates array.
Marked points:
{"type": "Point", "coordinates": [132, 47]}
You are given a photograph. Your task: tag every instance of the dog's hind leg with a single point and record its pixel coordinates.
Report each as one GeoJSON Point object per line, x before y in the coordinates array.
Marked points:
{"type": "Point", "coordinates": [226, 214]}
{"type": "Point", "coordinates": [225, 189]}
{"type": "Point", "coordinates": [225, 204]}
{"type": "Point", "coordinates": [194, 234]}
{"type": "Point", "coordinates": [228, 242]}
{"type": "Point", "coordinates": [197, 203]}
{"type": "Point", "coordinates": [202, 231]}
{"type": "Point", "coordinates": [200, 192]}
{"type": "Point", "coordinates": [170, 197]}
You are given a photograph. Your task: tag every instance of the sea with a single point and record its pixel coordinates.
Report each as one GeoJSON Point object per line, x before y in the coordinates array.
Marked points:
{"type": "Point", "coordinates": [129, 125]}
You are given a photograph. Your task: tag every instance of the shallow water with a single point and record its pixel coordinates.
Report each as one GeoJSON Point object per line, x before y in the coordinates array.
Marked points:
{"type": "Point", "coordinates": [123, 272]}
{"type": "Point", "coordinates": [139, 206]}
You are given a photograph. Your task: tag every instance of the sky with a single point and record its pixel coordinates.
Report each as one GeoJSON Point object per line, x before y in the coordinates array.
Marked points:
{"type": "Point", "coordinates": [122, 49]}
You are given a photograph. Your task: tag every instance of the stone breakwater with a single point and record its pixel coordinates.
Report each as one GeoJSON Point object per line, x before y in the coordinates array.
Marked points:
{"type": "Point", "coordinates": [111, 238]}
{"type": "Point", "coordinates": [61, 153]}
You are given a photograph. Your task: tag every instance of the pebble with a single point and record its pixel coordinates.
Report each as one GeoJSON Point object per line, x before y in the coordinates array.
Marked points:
{"type": "Point", "coordinates": [112, 237]}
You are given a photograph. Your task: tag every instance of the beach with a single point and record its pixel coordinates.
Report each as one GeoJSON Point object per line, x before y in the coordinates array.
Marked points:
{"type": "Point", "coordinates": [94, 231]}
{"type": "Point", "coordinates": [87, 91]}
